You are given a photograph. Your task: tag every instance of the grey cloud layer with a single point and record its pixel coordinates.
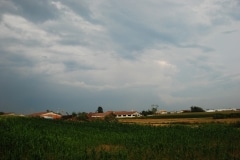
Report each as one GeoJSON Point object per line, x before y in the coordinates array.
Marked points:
{"type": "Point", "coordinates": [119, 53]}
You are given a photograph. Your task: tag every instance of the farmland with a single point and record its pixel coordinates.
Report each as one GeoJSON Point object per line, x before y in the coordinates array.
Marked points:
{"type": "Point", "coordinates": [186, 119]}
{"type": "Point", "coordinates": [34, 138]}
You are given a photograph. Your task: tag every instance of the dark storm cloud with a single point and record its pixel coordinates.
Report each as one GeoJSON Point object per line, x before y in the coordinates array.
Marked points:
{"type": "Point", "coordinates": [34, 94]}
{"type": "Point", "coordinates": [139, 36]}
{"type": "Point", "coordinates": [73, 66]}
{"type": "Point", "coordinates": [201, 47]}
{"type": "Point", "coordinates": [135, 29]}
{"type": "Point", "coordinates": [229, 9]}
{"type": "Point", "coordinates": [34, 10]}
{"type": "Point", "coordinates": [230, 31]}
{"type": "Point", "coordinates": [77, 55]}
{"type": "Point", "coordinates": [81, 8]}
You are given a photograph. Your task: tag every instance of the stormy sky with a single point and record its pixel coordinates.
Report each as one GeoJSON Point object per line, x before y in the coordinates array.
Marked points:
{"type": "Point", "coordinates": [73, 55]}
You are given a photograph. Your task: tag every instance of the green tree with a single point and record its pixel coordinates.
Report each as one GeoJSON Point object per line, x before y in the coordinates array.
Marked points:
{"type": "Point", "coordinates": [110, 118]}
{"type": "Point", "coordinates": [196, 109]}
{"type": "Point", "coordinates": [82, 116]}
{"type": "Point", "coordinates": [154, 108]}
{"type": "Point", "coordinates": [74, 114]}
{"type": "Point", "coordinates": [145, 113]}
{"type": "Point", "coordinates": [100, 109]}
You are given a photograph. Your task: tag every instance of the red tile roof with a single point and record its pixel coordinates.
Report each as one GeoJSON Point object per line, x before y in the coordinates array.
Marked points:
{"type": "Point", "coordinates": [101, 115]}
{"type": "Point", "coordinates": [124, 112]}
{"type": "Point", "coordinates": [51, 115]}
{"type": "Point", "coordinates": [38, 114]}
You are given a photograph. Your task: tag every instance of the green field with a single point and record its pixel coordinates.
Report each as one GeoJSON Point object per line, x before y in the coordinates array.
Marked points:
{"type": "Point", "coordinates": [33, 138]}
{"type": "Point", "coordinates": [214, 115]}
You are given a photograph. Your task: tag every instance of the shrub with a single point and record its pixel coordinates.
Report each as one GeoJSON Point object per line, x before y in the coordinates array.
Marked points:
{"type": "Point", "coordinates": [110, 118]}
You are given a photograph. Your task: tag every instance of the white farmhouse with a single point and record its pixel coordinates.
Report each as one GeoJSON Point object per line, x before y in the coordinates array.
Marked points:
{"type": "Point", "coordinates": [126, 114]}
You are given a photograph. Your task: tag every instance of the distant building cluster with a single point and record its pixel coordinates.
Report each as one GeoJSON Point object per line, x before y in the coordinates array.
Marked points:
{"type": "Point", "coordinates": [47, 115]}
{"type": "Point", "coordinates": [221, 110]}
{"type": "Point", "coordinates": [53, 115]}
{"type": "Point", "coordinates": [117, 114]}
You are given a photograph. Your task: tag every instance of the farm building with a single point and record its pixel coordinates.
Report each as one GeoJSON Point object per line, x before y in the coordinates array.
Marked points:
{"type": "Point", "coordinates": [127, 114]}
{"type": "Point", "coordinates": [46, 115]}
{"type": "Point", "coordinates": [10, 114]}
{"type": "Point", "coordinates": [161, 112]}
{"type": "Point", "coordinates": [119, 114]}
{"type": "Point", "coordinates": [100, 115]}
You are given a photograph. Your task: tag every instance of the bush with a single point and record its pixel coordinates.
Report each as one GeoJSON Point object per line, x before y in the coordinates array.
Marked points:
{"type": "Point", "coordinates": [82, 116]}
{"type": "Point", "coordinates": [222, 115]}
{"type": "Point", "coordinates": [219, 116]}
{"type": "Point", "coordinates": [110, 118]}
{"type": "Point", "coordinates": [196, 109]}
{"type": "Point", "coordinates": [237, 124]}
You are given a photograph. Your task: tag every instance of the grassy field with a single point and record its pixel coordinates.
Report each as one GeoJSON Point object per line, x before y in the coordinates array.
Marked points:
{"type": "Point", "coordinates": [186, 118]}
{"type": "Point", "coordinates": [33, 138]}
{"type": "Point", "coordinates": [214, 115]}
{"type": "Point", "coordinates": [183, 121]}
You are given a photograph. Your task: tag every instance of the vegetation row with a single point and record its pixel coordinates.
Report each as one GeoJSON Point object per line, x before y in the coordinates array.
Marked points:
{"type": "Point", "coordinates": [214, 115]}
{"type": "Point", "coordinates": [34, 138]}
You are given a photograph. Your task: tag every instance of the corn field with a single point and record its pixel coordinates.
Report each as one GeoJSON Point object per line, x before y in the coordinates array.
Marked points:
{"type": "Point", "coordinates": [33, 138]}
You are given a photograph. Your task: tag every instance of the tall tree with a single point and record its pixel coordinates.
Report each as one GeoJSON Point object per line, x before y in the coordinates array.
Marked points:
{"type": "Point", "coordinates": [82, 116]}
{"type": "Point", "coordinates": [196, 109]}
{"type": "Point", "coordinates": [74, 114]}
{"type": "Point", "coordinates": [100, 109]}
{"type": "Point", "coordinates": [154, 108]}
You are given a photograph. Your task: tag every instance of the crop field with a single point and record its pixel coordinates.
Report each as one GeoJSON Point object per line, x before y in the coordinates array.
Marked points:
{"type": "Point", "coordinates": [186, 119]}
{"type": "Point", "coordinates": [33, 138]}
{"type": "Point", "coordinates": [171, 121]}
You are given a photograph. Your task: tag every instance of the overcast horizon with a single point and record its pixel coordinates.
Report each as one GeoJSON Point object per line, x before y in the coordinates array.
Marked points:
{"type": "Point", "coordinates": [73, 56]}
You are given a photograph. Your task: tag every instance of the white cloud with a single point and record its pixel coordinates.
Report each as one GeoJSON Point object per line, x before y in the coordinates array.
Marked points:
{"type": "Point", "coordinates": [18, 28]}
{"type": "Point", "coordinates": [174, 51]}
{"type": "Point", "coordinates": [69, 17]}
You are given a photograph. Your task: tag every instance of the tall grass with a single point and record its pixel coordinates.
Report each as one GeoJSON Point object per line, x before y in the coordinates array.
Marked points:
{"type": "Point", "coordinates": [31, 138]}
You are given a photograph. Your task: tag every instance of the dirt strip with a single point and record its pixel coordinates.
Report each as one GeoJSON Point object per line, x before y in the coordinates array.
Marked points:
{"type": "Point", "coordinates": [178, 121]}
